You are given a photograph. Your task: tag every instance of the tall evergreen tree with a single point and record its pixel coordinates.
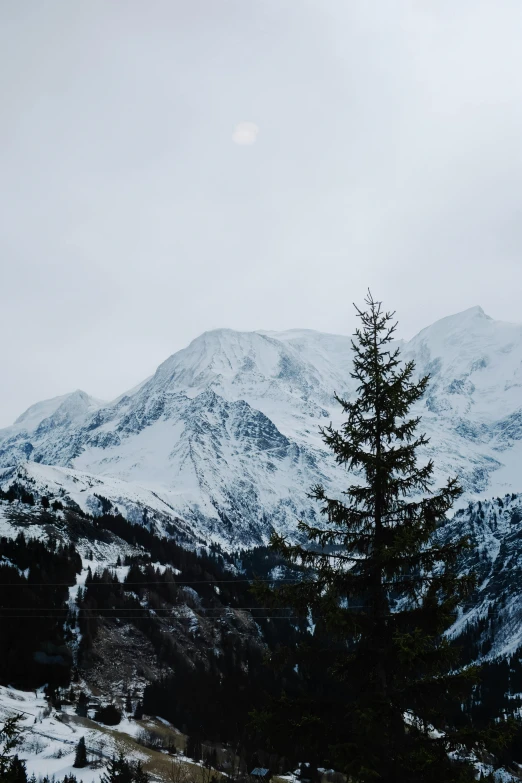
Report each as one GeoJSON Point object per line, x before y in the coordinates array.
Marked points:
{"type": "Point", "coordinates": [381, 673]}
{"type": "Point", "coordinates": [80, 759]}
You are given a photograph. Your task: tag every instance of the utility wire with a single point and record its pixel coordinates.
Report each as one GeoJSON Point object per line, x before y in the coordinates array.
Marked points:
{"type": "Point", "coordinates": [116, 614]}
{"type": "Point", "coordinates": [231, 582]}
{"type": "Point", "coordinates": [67, 609]}
{"type": "Point", "coordinates": [209, 582]}
{"type": "Point", "coordinates": [137, 617]}
{"type": "Point", "coordinates": [201, 609]}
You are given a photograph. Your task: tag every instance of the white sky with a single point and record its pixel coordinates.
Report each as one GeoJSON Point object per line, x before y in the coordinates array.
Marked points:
{"type": "Point", "coordinates": [386, 152]}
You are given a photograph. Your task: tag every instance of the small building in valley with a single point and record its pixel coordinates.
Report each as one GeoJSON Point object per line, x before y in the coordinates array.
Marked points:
{"type": "Point", "coordinates": [261, 773]}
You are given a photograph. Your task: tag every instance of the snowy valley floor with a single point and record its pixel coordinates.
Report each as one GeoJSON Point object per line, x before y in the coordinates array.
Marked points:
{"type": "Point", "coordinates": [51, 737]}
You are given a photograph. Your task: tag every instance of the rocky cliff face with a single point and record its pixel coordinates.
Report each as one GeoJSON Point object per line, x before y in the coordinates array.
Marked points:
{"type": "Point", "coordinates": [493, 617]}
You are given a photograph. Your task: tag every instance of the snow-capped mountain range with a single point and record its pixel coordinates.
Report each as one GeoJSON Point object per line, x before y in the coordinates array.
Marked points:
{"type": "Point", "coordinates": [224, 438]}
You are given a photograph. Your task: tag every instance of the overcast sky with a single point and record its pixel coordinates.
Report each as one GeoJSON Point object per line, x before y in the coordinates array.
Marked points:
{"type": "Point", "coordinates": [173, 166]}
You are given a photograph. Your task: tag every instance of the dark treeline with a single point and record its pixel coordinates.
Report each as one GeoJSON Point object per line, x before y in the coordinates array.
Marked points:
{"type": "Point", "coordinates": [216, 703]}
{"type": "Point", "coordinates": [212, 698]}
{"type": "Point", "coordinates": [33, 649]}
{"type": "Point", "coordinates": [200, 565]}
{"type": "Point", "coordinates": [18, 492]}
{"type": "Point", "coordinates": [197, 694]}
{"type": "Point", "coordinates": [497, 694]}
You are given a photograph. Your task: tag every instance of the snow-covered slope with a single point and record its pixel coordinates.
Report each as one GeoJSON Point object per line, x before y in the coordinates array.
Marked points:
{"type": "Point", "coordinates": [493, 615]}
{"type": "Point", "coordinates": [68, 408]}
{"type": "Point", "coordinates": [225, 434]}
{"type": "Point", "coordinates": [43, 421]}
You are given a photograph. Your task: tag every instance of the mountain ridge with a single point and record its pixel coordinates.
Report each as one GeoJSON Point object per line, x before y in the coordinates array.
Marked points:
{"type": "Point", "coordinates": [227, 431]}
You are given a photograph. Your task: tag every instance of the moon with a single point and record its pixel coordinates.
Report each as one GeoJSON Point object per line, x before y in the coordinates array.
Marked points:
{"type": "Point", "coordinates": [245, 133]}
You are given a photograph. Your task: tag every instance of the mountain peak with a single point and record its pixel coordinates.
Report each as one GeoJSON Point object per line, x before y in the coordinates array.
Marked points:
{"type": "Point", "coordinates": [465, 319]}
{"type": "Point", "coordinates": [476, 311]}
{"type": "Point", "coordinates": [41, 410]}
{"type": "Point", "coordinates": [77, 401]}
{"type": "Point", "coordinates": [230, 424]}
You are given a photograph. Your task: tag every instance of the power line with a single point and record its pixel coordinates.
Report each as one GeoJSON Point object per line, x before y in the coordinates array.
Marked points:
{"type": "Point", "coordinates": [184, 583]}
{"type": "Point", "coordinates": [230, 582]}
{"type": "Point", "coordinates": [202, 609]}
{"type": "Point", "coordinates": [136, 609]}
{"type": "Point", "coordinates": [137, 617]}
{"type": "Point", "coordinates": [117, 614]}
{"type": "Point", "coordinates": [163, 617]}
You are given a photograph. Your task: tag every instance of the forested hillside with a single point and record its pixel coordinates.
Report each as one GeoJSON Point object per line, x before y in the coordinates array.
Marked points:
{"type": "Point", "coordinates": [101, 604]}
